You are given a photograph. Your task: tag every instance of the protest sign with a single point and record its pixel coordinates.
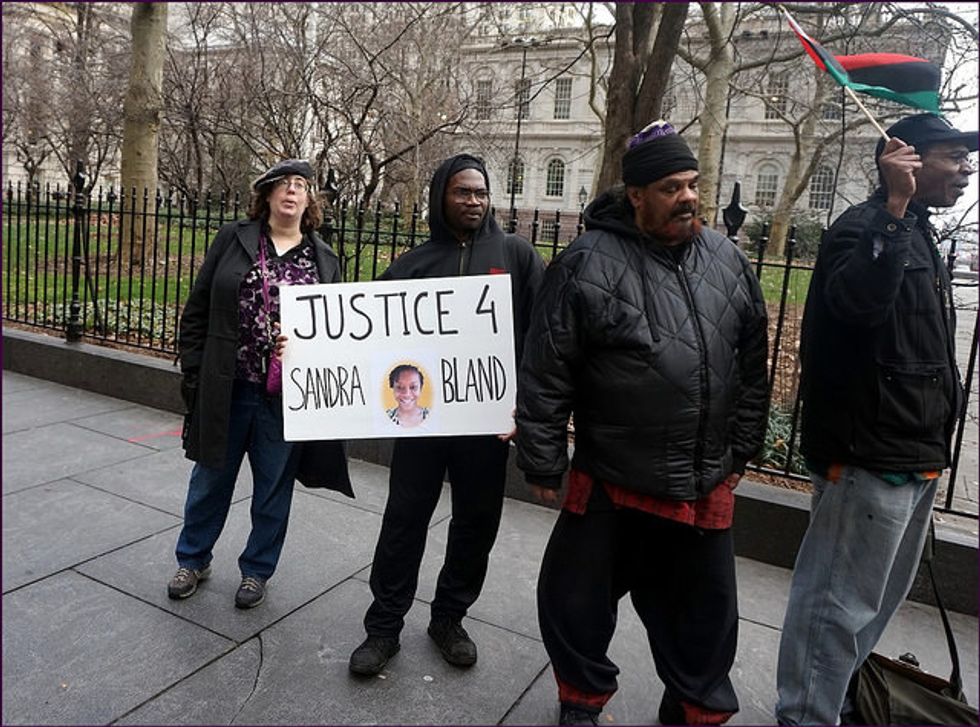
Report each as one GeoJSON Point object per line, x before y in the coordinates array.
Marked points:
{"type": "Point", "coordinates": [422, 357]}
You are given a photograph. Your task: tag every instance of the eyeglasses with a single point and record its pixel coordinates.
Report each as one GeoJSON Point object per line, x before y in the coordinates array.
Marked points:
{"type": "Point", "coordinates": [462, 194]}
{"type": "Point", "coordinates": [959, 158]}
{"type": "Point", "coordinates": [300, 184]}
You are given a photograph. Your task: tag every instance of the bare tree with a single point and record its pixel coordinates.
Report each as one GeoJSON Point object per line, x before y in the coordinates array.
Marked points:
{"type": "Point", "coordinates": [639, 76]}
{"type": "Point", "coordinates": [143, 104]}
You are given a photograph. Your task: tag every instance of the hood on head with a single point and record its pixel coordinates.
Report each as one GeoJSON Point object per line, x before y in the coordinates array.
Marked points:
{"type": "Point", "coordinates": [612, 211]}
{"type": "Point", "coordinates": [438, 229]}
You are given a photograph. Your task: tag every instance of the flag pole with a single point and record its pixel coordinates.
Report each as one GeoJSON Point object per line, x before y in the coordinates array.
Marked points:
{"type": "Point", "coordinates": [850, 92]}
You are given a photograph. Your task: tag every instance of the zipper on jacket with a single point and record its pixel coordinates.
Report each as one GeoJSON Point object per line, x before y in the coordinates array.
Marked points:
{"type": "Point", "coordinates": [463, 257]}
{"type": "Point", "coordinates": [703, 372]}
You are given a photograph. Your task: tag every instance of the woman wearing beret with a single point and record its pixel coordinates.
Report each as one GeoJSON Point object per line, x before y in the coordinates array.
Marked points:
{"type": "Point", "coordinates": [226, 342]}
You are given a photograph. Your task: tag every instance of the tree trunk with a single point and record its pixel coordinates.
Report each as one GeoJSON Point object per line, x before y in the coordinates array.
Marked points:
{"type": "Point", "coordinates": [80, 113]}
{"type": "Point", "coordinates": [719, 18]}
{"type": "Point", "coordinates": [620, 99]}
{"type": "Point", "coordinates": [656, 78]}
{"type": "Point", "coordinates": [141, 112]}
{"type": "Point", "coordinates": [807, 154]}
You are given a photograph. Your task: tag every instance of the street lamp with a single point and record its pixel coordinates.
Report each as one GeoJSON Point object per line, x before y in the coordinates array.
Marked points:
{"type": "Point", "coordinates": [521, 105]}
{"type": "Point", "coordinates": [583, 197]}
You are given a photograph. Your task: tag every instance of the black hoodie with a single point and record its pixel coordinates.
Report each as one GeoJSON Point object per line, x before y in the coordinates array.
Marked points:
{"type": "Point", "coordinates": [660, 353]}
{"type": "Point", "coordinates": [490, 251]}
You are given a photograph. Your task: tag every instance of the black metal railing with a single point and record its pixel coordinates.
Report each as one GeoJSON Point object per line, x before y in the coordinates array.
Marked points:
{"type": "Point", "coordinates": [115, 267]}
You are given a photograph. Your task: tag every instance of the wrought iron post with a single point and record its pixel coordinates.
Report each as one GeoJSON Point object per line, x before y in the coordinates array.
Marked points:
{"type": "Point", "coordinates": [73, 331]}
{"type": "Point", "coordinates": [734, 214]}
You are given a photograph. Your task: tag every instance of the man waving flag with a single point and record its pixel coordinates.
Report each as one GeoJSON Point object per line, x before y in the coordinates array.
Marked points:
{"type": "Point", "coordinates": [904, 79]}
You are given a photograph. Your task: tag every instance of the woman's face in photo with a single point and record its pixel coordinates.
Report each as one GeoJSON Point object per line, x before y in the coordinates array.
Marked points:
{"type": "Point", "coordinates": [407, 387]}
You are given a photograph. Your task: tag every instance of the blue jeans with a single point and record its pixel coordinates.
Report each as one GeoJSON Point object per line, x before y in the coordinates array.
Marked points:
{"type": "Point", "coordinates": [856, 565]}
{"type": "Point", "coordinates": [255, 428]}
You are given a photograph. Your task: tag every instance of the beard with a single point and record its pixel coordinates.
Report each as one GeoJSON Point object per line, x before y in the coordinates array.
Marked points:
{"type": "Point", "coordinates": [677, 232]}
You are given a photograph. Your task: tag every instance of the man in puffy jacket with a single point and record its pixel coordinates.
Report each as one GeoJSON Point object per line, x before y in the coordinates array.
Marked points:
{"type": "Point", "coordinates": [464, 240]}
{"type": "Point", "coordinates": [881, 396]}
{"type": "Point", "coordinates": [653, 332]}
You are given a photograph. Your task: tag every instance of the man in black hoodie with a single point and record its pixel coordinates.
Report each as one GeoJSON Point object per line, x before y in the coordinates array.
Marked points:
{"type": "Point", "coordinates": [653, 332]}
{"type": "Point", "coordinates": [464, 240]}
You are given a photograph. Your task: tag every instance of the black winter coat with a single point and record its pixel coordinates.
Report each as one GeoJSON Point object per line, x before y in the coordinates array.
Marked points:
{"type": "Point", "coordinates": [879, 381]}
{"type": "Point", "coordinates": [208, 346]}
{"type": "Point", "coordinates": [662, 361]}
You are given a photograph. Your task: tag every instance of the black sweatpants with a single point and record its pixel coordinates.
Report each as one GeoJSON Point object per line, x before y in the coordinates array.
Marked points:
{"type": "Point", "coordinates": [682, 583]}
{"type": "Point", "coordinates": [477, 467]}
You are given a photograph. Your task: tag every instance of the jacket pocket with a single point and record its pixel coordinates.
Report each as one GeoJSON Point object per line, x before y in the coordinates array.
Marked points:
{"type": "Point", "coordinates": [911, 400]}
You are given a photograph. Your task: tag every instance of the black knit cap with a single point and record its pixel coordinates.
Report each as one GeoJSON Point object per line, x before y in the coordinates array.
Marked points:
{"type": "Point", "coordinates": [285, 168]}
{"type": "Point", "coordinates": [654, 153]}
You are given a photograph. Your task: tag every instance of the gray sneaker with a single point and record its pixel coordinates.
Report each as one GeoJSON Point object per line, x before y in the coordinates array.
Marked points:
{"type": "Point", "coordinates": [185, 580]}
{"type": "Point", "coordinates": [250, 593]}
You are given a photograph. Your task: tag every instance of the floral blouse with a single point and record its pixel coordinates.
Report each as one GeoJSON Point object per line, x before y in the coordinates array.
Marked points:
{"type": "Point", "coordinates": [296, 266]}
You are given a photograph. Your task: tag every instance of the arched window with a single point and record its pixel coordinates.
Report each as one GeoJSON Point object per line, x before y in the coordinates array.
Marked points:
{"type": "Point", "coordinates": [766, 184]}
{"type": "Point", "coordinates": [555, 185]}
{"type": "Point", "coordinates": [515, 177]}
{"type": "Point", "coordinates": [822, 188]}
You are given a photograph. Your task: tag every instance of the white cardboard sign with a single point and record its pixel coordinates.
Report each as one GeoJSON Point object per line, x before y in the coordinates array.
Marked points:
{"type": "Point", "coordinates": [424, 357]}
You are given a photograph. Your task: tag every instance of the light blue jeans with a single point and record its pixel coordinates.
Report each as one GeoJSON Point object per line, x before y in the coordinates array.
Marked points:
{"type": "Point", "coordinates": [856, 565]}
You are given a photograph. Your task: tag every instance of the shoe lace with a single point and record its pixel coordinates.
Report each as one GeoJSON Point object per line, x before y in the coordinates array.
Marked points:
{"type": "Point", "coordinates": [251, 584]}
{"type": "Point", "coordinates": [183, 574]}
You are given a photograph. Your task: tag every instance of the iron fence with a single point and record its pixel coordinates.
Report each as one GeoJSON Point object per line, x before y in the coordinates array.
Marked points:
{"type": "Point", "coordinates": [115, 268]}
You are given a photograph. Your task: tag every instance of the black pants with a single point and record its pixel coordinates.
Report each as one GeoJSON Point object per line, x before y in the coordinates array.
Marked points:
{"type": "Point", "coordinates": [681, 581]}
{"type": "Point", "coordinates": [477, 467]}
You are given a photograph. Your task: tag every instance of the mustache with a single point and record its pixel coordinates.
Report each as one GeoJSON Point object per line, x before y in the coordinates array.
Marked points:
{"type": "Point", "coordinates": [684, 209]}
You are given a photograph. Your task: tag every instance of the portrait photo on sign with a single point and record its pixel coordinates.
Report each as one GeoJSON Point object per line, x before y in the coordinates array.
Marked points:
{"type": "Point", "coordinates": [407, 395]}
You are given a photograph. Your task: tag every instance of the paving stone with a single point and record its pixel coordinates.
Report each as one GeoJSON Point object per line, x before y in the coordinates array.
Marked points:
{"type": "Point", "coordinates": [56, 451]}
{"type": "Point", "coordinates": [303, 678]}
{"type": "Point", "coordinates": [512, 577]}
{"type": "Point", "coordinates": [37, 407]}
{"type": "Point", "coordinates": [77, 652]}
{"type": "Point", "coordinates": [159, 480]}
{"type": "Point", "coordinates": [215, 695]}
{"type": "Point", "coordinates": [763, 590]}
{"type": "Point", "coordinates": [54, 526]}
{"type": "Point", "coordinates": [138, 425]}
{"type": "Point", "coordinates": [326, 543]}
{"type": "Point", "coordinates": [14, 382]}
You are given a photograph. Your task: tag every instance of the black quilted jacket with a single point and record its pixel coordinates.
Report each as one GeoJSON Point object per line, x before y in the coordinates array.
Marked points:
{"type": "Point", "coordinates": [660, 354]}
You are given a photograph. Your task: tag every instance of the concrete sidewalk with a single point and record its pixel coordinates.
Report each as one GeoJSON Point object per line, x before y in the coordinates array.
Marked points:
{"type": "Point", "coordinates": [93, 491]}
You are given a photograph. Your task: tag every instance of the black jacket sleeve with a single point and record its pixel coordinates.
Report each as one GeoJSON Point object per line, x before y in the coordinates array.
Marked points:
{"type": "Point", "coordinates": [752, 407]}
{"type": "Point", "coordinates": [196, 314]}
{"type": "Point", "coordinates": [864, 262]}
{"type": "Point", "coordinates": [545, 384]}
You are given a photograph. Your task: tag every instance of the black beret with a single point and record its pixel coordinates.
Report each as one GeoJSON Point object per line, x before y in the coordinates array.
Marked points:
{"type": "Point", "coordinates": [285, 168]}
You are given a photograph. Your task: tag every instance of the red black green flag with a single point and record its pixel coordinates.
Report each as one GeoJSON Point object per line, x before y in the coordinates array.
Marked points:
{"type": "Point", "coordinates": [904, 79]}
